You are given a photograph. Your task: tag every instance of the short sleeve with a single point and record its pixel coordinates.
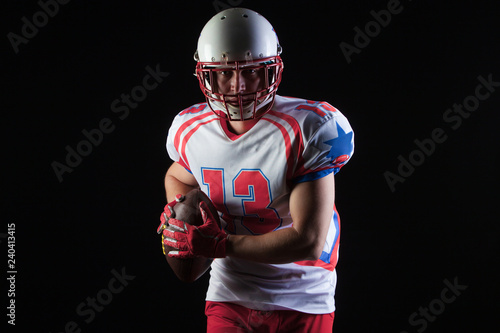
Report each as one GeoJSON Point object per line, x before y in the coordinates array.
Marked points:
{"type": "Point", "coordinates": [327, 150]}
{"type": "Point", "coordinates": [173, 141]}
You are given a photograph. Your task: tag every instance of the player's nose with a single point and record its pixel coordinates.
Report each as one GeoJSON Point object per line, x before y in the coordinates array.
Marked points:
{"type": "Point", "coordinates": [238, 82]}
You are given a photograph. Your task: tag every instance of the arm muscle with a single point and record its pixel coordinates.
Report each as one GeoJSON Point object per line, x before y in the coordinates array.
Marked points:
{"type": "Point", "coordinates": [178, 181]}
{"type": "Point", "coordinates": [311, 208]}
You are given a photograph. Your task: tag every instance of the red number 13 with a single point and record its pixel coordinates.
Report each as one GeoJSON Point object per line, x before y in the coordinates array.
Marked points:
{"type": "Point", "coordinates": [253, 189]}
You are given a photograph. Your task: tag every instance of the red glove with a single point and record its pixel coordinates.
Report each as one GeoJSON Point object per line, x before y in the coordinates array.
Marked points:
{"type": "Point", "coordinates": [168, 212]}
{"type": "Point", "coordinates": [207, 240]}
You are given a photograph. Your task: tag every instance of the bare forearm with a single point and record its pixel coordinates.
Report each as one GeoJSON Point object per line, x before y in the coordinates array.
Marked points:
{"type": "Point", "coordinates": [278, 247]}
{"type": "Point", "coordinates": [178, 181]}
{"type": "Point", "coordinates": [174, 187]}
{"type": "Point", "coordinates": [311, 207]}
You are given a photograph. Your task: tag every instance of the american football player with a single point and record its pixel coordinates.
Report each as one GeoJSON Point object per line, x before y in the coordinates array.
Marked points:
{"type": "Point", "coordinates": [267, 162]}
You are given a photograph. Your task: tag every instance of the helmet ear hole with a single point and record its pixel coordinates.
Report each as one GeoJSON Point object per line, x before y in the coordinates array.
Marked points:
{"type": "Point", "coordinates": [270, 79]}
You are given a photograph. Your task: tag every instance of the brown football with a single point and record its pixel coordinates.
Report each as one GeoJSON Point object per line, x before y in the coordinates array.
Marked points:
{"type": "Point", "coordinates": [189, 270]}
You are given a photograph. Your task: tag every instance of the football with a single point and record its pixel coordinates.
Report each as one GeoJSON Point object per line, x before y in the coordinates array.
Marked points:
{"type": "Point", "coordinates": [188, 210]}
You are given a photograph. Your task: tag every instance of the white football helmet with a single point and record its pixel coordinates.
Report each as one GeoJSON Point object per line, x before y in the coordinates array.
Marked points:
{"type": "Point", "coordinates": [239, 39]}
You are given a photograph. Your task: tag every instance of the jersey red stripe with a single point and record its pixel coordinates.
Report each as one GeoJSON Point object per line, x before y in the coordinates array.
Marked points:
{"type": "Point", "coordinates": [177, 139]}
{"type": "Point", "coordinates": [298, 143]}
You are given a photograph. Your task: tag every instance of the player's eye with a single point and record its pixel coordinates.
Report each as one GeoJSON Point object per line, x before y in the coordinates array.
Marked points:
{"type": "Point", "coordinates": [251, 71]}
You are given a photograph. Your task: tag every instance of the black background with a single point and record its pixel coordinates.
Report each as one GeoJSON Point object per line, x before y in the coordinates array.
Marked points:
{"type": "Point", "coordinates": [397, 247]}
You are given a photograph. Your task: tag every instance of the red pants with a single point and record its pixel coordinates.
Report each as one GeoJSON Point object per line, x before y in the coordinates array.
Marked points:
{"type": "Point", "coordinates": [224, 317]}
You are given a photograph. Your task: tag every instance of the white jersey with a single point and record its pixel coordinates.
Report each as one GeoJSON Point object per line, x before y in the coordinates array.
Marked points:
{"type": "Point", "coordinates": [249, 177]}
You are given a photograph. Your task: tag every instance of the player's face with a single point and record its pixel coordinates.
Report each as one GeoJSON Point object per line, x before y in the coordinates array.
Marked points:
{"type": "Point", "coordinates": [234, 82]}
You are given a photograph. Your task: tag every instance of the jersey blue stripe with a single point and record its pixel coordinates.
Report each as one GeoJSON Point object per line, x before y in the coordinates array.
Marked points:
{"type": "Point", "coordinates": [313, 175]}
{"type": "Point", "coordinates": [326, 256]}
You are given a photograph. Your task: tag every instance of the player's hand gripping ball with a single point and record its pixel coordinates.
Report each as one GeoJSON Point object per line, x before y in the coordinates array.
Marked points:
{"type": "Point", "coordinates": [191, 235]}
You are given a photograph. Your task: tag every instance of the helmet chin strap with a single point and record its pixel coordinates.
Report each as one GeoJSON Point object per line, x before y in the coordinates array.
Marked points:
{"type": "Point", "coordinates": [235, 112]}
